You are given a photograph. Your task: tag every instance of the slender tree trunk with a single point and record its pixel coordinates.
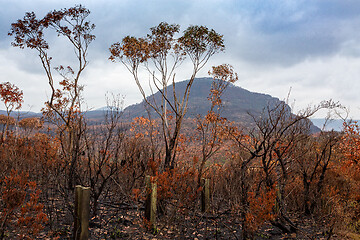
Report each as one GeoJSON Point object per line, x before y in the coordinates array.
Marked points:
{"type": "Point", "coordinates": [244, 202]}
{"type": "Point", "coordinates": [306, 185]}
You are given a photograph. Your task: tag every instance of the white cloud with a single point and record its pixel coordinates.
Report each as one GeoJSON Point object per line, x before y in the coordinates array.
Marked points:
{"type": "Point", "coordinates": [310, 81]}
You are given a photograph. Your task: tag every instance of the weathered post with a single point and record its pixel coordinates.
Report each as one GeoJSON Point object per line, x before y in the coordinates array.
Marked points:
{"type": "Point", "coordinates": [150, 202]}
{"type": "Point", "coordinates": [205, 194]}
{"type": "Point", "coordinates": [82, 212]}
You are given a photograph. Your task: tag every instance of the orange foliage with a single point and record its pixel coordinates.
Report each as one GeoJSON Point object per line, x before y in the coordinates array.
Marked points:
{"type": "Point", "coordinates": [30, 123]}
{"type": "Point", "coordinates": [136, 194]}
{"type": "Point", "coordinates": [260, 209]}
{"type": "Point", "coordinates": [351, 145]}
{"type": "Point", "coordinates": [178, 185]}
{"type": "Point", "coordinates": [7, 120]}
{"type": "Point", "coordinates": [350, 166]}
{"type": "Point", "coordinates": [143, 127]}
{"type": "Point", "coordinates": [11, 95]}
{"type": "Point", "coordinates": [349, 173]}
{"type": "Point", "coordinates": [20, 206]}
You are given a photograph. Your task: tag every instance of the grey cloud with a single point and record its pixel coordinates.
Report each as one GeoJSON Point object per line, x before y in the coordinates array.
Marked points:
{"type": "Point", "coordinates": [338, 9]}
{"type": "Point", "coordinates": [288, 32]}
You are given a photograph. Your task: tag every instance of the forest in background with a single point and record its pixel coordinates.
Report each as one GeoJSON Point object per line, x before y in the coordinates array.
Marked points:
{"type": "Point", "coordinates": [272, 179]}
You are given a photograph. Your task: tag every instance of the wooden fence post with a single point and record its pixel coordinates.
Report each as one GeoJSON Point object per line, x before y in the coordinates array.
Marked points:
{"type": "Point", "coordinates": [150, 202]}
{"type": "Point", "coordinates": [205, 194]}
{"type": "Point", "coordinates": [82, 212]}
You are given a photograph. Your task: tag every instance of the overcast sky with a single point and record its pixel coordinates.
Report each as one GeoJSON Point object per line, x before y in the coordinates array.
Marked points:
{"type": "Point", "coordinates": [312, 47]}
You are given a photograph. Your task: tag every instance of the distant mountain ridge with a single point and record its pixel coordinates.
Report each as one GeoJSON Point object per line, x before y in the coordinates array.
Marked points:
{"type": "Point", "coordinates": [238, 102]}
{"type": "Point", "coordinates": [21, 114]}
{"type": "Point", "coordinates": [333, 124]}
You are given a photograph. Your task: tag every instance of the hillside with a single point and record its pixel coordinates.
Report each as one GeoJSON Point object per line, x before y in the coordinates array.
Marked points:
{"type": "Point", "coordinates": [238, 102]}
